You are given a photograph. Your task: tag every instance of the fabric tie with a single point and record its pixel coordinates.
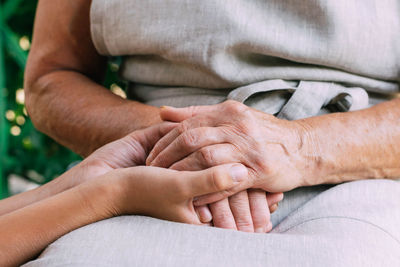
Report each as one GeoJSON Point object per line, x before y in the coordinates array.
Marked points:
{"type": "Point", "coordinates": [297, 100]}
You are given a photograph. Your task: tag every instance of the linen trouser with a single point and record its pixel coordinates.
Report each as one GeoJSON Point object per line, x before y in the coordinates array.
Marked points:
{"type": "Point", "coordinates": [351, 224]}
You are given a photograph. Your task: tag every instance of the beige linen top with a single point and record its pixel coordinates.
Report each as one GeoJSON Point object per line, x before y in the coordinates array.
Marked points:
{"type": "Point", "coordinates": [286, 57]}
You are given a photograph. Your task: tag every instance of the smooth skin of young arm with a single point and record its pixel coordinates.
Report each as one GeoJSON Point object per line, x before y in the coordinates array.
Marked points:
{"type": "Point", "coordinates": [126, 152]}
{"type": "Point", "coordinates": [160, 193]}
{"type": "Point", "coordinates": [62, 81]}
{"type": "Point", "coordinates": [34, 219]}
{"type": "Point", "coordinates": [27, 231]}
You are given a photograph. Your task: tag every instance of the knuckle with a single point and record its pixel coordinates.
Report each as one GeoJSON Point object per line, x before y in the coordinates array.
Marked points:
{"type": "Point", "coordinates": [248, 123]}
{"type": "Point", "coordinates": [257, 195]}
{"type": "Point", "coordinates": [207, 156]}
{"type": "Point", "coordinates": [183, 127]}
{"type": "Point", "coordinates": [189, 139]}
{"type": "Point", "coordinates": [222, 218]}
{"type": "Point", "coordinates": [234, 107]}
{"type": "Point", "coordinates": [260, 220]}
{"type": "Point", "coordinates": [217, 181]}
{"type": "Point", "coordinates": [244, 225]}
{"type": "Point", "coordinates": [192, 110]}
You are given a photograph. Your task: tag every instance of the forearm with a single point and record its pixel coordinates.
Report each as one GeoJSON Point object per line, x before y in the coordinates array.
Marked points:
{"type": "Point", "coordinates": [82, 115]}
{"type": "Point", "coordinates": [355, 145]}
{"type": "Point", "coordinates": [27, 231]}
{"type": "Point", "coordinates": [73, 177]}
{"type": "Point", "coordinates": [24, 199]}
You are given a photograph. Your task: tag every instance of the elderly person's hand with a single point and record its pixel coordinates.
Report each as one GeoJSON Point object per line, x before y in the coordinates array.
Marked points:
{"type": "Point", "coordinates": [133, 149]}
{"type": "Point", "coordinates": [274, 150]}
{"type": "Point", "coordinates": [245, 211]}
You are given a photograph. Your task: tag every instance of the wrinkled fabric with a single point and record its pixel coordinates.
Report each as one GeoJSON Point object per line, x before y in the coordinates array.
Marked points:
{"type": "Point", "coordinates": [187, 48]}
{"type": "Point", "coordinates": [293, 59]}
{"type": "Point", "coordinates": [352, 224]}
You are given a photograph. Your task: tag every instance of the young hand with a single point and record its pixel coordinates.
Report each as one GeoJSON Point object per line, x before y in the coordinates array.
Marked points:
{"type": "Point", "coordinates": [126, 152]}
{"type": "Point", "coordinates": [167, 194]}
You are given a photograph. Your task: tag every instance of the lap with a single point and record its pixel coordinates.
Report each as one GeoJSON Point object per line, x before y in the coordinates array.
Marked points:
{"type": "Point", "coordinates": [350, 224]}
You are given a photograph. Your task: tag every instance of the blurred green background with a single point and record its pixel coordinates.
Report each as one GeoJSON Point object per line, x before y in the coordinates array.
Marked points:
{"type": "Point", "coordinates": [25, 153]}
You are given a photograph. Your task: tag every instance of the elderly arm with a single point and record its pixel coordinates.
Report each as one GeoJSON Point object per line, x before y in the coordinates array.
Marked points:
{"type": "Point", "coordinates": [63, 93]}
{"type": "Point", "coordinates": [356, 145]}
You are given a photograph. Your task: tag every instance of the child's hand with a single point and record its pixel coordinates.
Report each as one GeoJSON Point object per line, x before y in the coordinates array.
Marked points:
{"type": "Point", "coordinates": [168, 194]}
{"type": "Point", "coordinates": [129, 151]}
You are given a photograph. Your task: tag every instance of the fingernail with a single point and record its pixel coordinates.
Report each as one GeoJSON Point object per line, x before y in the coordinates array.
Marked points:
{"type": "Point", "coordinates": [260, 230]}
{"type": "Point", "coordinates": [273, 208]}
{"type": "Point", "coordinates": [238, 172]}
{"type": "Point", "coordinates": [206, 215]}
{"type": "Point", "coordinates": [164, 107]}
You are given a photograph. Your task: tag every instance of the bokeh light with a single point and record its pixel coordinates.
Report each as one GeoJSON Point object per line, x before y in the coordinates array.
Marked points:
{"type": "Point", "coordinates": [118, 90]}
{"type": "Point", "coordinates": [20, 96]}
{"type": "Point", "coordinates": [20, 120]}
{"type": "Point", "coordinates": [24, 43]}
{"type": "Point", "coordinates": [15, 130]}
{"type": "Point", "coordinates": [10, 115]}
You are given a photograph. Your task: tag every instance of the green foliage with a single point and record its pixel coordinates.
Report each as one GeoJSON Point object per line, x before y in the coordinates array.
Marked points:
{"type": "Point", "coordinates": [26, 152]}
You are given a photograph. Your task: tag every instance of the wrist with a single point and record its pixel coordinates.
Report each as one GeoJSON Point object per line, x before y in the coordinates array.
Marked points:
{"type": "Point", "coordinates": [313, 163]}
{"type": "Point", "coordinates": [125, 184]}
{"type": "Point", "coordinates": [321, 150]}
{"type": "Point", "coordinates": [85, 171]}
{"type": "Point", "coordinates": [103, 196]}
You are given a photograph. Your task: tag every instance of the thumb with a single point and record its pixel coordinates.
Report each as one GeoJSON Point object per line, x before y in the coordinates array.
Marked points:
{"type": "Point", "coordinates": [180, 114]}
{"type": "Point", "coordinates": [215, 179]}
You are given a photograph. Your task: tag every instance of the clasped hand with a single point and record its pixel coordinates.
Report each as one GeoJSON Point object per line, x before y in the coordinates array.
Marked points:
{"type": "Point", "coordinates": [236, 154]}
{"type": "Point", "coordinates": [230, 132]}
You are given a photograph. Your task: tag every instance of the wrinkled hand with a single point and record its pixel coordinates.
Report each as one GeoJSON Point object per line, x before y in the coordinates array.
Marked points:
{"type": "Point", "coordinates": [272, 149]}
{"type": "Point", "coordinates": [247, 211]}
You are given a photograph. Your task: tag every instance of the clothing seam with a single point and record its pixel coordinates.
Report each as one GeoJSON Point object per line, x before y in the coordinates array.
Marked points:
{"type": "Point", "coordinates": [303, 205]}
{"type": "Point", "coordinates": [344, 217]}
